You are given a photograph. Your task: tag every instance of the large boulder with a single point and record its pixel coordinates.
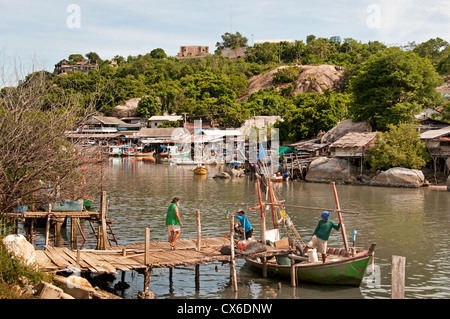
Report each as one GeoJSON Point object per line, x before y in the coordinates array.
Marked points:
{"type": "Point", "coordinates": [344, 127]}
{"type": "Point", "coordinates": [19, 246]}
{"type": "Point", "coordinates": [128, 109]}
{"type": "Point", "coordinates": [399, 177]}
{"type": "Point", "coordinates": [324, 169]}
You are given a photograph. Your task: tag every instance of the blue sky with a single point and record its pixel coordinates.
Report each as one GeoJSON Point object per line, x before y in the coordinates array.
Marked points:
{"type": "Point", "coordinates": [37, 34]}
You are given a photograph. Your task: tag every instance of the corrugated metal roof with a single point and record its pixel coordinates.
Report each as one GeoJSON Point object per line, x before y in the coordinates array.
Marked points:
{"type": "Point", "coordinates": [159, 132]}
{"type": "Point", "coordinates": [435, 133]}
{"type": "Point", "coordinates": [354, 139]}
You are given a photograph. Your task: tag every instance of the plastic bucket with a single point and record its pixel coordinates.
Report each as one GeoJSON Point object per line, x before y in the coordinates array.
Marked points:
{"type": "Point", "coordinates": [312, 255]}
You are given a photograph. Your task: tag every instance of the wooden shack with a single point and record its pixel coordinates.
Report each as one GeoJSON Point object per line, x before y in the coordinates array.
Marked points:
{"type": "Point", "coordinates": [438, 144]}
{"type": "Point", "coordinates": [353, 145]}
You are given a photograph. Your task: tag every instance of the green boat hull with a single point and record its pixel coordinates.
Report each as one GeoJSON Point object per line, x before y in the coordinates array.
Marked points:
{"type": "Point", "coordinates": [349, 272]}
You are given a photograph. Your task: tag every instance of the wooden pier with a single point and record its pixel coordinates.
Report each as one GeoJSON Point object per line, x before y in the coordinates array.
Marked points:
{"type": "Point", "coordinates": [127, 258]}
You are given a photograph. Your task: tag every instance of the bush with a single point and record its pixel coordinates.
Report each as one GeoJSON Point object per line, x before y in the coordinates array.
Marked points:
{"type": "Point", "coordinates": [12, 272]}
{"type": "Point", "coordinates": [399, 147]}
{"type": "Point", "coordinates": [287, 75]}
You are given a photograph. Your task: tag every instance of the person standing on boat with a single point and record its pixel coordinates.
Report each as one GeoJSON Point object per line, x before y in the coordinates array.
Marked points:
{"type": "Point", "coordinates": [245, 223]}
{"type": "Point", "coordinates": [321, 234]}
{"type": "Point", "coordinates": [173, 222]}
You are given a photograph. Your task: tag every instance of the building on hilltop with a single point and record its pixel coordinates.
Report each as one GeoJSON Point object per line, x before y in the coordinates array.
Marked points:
{"type": "Point", "coordinates": [193, 51]}
{"type": "Point", "coordinates": [65, 67]}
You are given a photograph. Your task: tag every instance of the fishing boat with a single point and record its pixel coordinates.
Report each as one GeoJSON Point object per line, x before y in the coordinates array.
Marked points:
{"type": "Point", "coordinates": [342, 266]}
{"type": "Point", "coordinates": [139, 152]}
{"type": "Point", "coordinates": [200, 170]}
{"type": "Point", "coordinates": [339, 270]}
{"type": "Point", "coordinates": [172, 152]}
{"type": "Point", "coordinates": [121, 150]}
{"type": "Point", "coordinates": [87, 201]}
{"type": "Point", "coordinates": [277, 178]}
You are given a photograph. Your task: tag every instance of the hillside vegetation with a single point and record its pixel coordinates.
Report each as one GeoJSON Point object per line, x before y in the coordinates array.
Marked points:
{"type": "Point", "coordinates": [312, 85]}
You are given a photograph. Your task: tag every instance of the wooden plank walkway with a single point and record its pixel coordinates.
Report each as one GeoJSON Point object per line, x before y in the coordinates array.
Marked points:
{"type": "Point", "coordinates": [126, 258]}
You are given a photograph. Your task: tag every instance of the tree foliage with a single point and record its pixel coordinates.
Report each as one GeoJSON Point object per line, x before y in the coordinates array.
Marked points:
{"type": "Point", "coordinates": [400, 146]}
{"type": "Point", "coordinates": [230, 40]}
{"type": "Point", "coordinates": [393, 86]}
{"type": "Point", "coordinates": [34, 117]}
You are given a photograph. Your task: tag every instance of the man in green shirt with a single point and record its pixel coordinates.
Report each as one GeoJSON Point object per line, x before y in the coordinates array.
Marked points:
{"type": "Point", "coordinates": [321, 234]}
{"type": "Point", "coordinates": [173, 222]}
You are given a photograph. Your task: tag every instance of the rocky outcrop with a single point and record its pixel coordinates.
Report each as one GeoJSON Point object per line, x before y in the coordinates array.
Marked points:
{"type": "Point", "coordinates": [325, 169]}
{"type": "Point", "coordinates": [20, 248]}
{"type": "Point", "coordinates": [313, 78]}
{"type": "Point", "coordinates": [344, 127]}
{"type": "Point", "coordinates": [399, 177]}
{"type": "Point", "coordinates": [126, 110]}
{"type": "Point", "coordinates": [341, 171]}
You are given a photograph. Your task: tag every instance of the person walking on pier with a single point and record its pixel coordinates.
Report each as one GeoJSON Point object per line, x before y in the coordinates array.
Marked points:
{"type": "Point", "coordinates": [321, 234]}
{"type": "Point", "coordinates": [173, 222]}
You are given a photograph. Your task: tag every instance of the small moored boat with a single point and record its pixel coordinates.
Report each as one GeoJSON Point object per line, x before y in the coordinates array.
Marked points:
{"type": "Point", "coordinates": [339, 270]}
{"type": "Point", "coordinates": [200, 170]}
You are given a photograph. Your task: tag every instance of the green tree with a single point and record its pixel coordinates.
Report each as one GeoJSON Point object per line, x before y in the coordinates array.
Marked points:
{"type": "Point", "coordinates": [434, 50]}
{"type": "Point", "coordinates": [312, 113]}
{"type": "Point", "coordinates": [148, 106]}
{"type": "Point", "coordinates": [391, 87]}
{"type": "Point", "coordinates": [230, 40]}
{"type": "Point", "coordinates": [93, 57]}
{"type": "Point", "coordinates": [158, 54]}
{"type": "Point", "coordinates": [401, 146]}
{"type": "Point", "coordinates": [76, 57]}
{"type": "Point", "coordinates": [286, 75]}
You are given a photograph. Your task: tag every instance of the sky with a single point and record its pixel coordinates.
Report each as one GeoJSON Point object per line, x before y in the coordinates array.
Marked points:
{"type": "Point", "coordinates": [35, 35]}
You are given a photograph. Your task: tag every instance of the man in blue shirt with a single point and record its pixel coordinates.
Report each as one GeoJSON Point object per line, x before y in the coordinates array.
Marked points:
{"type": "Point", "coordinates": [248, 230]}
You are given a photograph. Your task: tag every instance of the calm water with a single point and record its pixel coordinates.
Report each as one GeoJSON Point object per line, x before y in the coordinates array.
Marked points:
{"type": "Point", "coordinates": [413, 223]}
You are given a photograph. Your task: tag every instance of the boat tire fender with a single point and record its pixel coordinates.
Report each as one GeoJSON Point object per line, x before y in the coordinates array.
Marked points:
{"type": "Point", "coordinates": [299, 250]}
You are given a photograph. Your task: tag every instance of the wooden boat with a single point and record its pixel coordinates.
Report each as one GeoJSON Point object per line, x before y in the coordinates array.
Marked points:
{"type": "Point", "coordinates": [121, 150]}
{"type": "Point", "coordinates": [60, 206]}
{"type": "Point", "coordinates": [337, 270]}
{"type": "Point", "coordinates": [342, 267]}
{"type": "Point", "coordinates": [139, 152]}
{"type": "Point", "coordinates": [276, 178]}
{"type": "Point", "coordinates": [200, 170]}
{"type": "Point", "coordinates": [87, 201]}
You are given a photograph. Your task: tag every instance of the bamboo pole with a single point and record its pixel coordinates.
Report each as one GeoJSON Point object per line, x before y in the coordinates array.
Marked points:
{"type": "Point", "coordinates": [263, 226]}
{"type": "Point", "coordinates": [341, 221]}
{"type": "Point", "coordinates": [274, 218]}
{"type": "Point", "coordinates": [232, 257]}
{"type": "Point", "coordinates": [312, 208]}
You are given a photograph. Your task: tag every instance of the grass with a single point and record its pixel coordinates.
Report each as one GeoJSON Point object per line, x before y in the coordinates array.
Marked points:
{"type": "Point", "coordinates": [14, 274]}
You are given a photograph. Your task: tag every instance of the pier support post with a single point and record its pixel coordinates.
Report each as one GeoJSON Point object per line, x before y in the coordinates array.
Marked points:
{"type": "Point", "coordinates": [73, 232]}
{"type": "Point", "coordinates": [47, 225]}
{"type": "Point", "coordinates": [232, 258]}
{"type": "Point", "coordinates": [102, 238]}
{"type": "Point", "coordinates": [199, 230]}
{"type": "Point", "coordinates": [147, 247]}
{"type": "Point", "coordinates": [293, 274]}
{"type": "Point", "coordinates": [398, 273]}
